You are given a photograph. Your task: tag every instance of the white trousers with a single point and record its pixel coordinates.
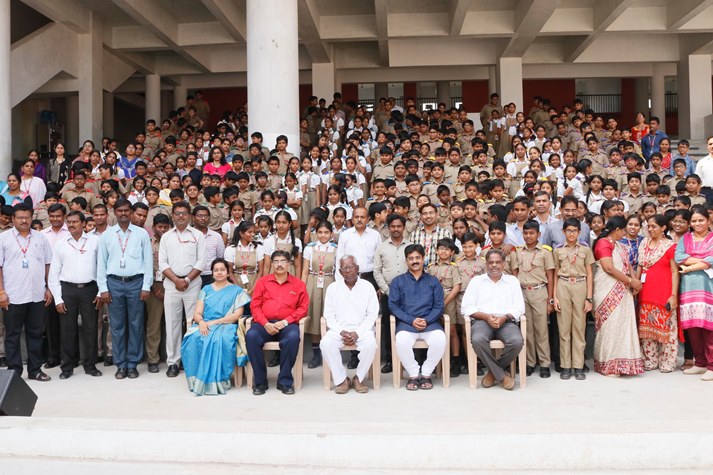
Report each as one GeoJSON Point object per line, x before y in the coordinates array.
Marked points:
{"type": "Point", "coordinates": [331, 344]}
{"type": "Point", "coordinates": [436, 341]}
{"type": "Point", "coordinates": [174, 302]}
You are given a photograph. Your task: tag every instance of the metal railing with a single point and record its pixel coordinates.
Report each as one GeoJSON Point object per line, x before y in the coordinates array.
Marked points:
{"type": "Point", "coordinates": [422, 103]}
{"type": "Point", "coordinates": [602, 103]}
{"type": "Point", "coordinates": [671, 101]}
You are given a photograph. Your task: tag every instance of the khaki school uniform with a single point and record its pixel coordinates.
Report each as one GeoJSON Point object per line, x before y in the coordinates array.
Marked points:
{"type": "Point", "coordinates": [571, 269]}
{"type": "Point", "coordinates": [449, 276]}
{"type": "Point", "coordinates": [532, 266]}
{"type": "Point", "coordinates": [468, 268]}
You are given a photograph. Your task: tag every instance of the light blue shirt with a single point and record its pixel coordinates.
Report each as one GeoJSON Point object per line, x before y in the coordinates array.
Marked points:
{"type": "Point", "coordinates": [137, 256]}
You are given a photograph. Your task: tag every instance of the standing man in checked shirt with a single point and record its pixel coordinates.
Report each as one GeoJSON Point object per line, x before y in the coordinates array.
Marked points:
{"type": "Point", "coordinates": [428, 234]}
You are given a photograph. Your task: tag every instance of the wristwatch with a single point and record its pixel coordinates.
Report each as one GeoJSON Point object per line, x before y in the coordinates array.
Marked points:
{"type": "Point", "coordinates": [188, 281]}
{"type": "Point", "coordinates": [589, 300]}
{"type": "Point", "coordinates": [551, 301]}
{"type": "Point", "coordinates": [286, 323]}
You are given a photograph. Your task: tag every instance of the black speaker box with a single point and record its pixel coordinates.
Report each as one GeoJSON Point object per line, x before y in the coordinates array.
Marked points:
{"type": "Point", "coordinates": [16, 397]}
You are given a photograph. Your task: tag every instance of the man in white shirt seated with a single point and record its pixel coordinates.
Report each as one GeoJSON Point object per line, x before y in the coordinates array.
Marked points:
{"type": "Point", "coordinates": [494, 303]}
{"type": "Point", "coordinates": [350, 308]}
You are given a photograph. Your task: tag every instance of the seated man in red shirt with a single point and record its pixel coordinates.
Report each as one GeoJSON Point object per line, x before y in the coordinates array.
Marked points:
{"type": "Point", "coordinates": [279, 302]}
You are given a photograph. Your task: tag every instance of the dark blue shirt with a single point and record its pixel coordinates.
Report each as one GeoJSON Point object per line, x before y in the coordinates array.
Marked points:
{"type": "Point", "coordinates": [650, 144]}
{"type": "Point", "coordinates": [410, 299]}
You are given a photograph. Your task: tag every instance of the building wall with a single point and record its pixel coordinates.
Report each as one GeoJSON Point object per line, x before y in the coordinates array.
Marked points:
{"type": "Point", "coordinates": [558, 91]}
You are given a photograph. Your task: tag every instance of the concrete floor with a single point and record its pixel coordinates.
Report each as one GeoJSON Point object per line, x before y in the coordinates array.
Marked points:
{"type": "Point", "coordinates": [652, 421]}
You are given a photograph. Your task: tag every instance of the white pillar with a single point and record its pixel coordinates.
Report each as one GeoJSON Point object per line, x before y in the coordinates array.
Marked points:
{"type": "Point", "coordinates": [108, 114]}
{"type": "Point", "coordinates": [179, 97]}
{"type": "Point", "coordinates": [323, 81]}
{"type": "Point", "coordinates": [381, 89]}
{"type": "Point", "coordinates": [658, 94]}
{"type": "Point", "coordinates": [695, 97]}
{"type": "Point", "coordinates": [273, 71]}
{"type": "Point", "coordinates": [443, 92]}
{"type": "Point", "coordinates": [153, 97]}
{"type": "Point", "coordinates": [509, 74]}
{"type": "Point", "coordinates": [641, 97]}
{"type": "Point", "coordinates": [91, 99]}
{"type": "Point", "coordinates": [72, 140]}
{"type": "Point", "coordinates": [492, 80]}
{"type": "Point", "coordinates": [5, 104]}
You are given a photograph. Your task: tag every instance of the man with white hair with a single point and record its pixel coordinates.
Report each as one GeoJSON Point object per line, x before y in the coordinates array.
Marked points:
{"type": "Point", "coordinates": [350, 308]}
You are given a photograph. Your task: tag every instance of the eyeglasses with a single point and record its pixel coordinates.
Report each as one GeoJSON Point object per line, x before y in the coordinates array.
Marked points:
{"type": "Point", "coordinates": [181, 213]}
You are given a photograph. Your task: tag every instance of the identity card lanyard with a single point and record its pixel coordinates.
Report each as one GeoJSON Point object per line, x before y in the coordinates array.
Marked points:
{"type": "Point", "coordinates": [122, 245]}
{"type": "Point", "coordinates": [23, 250]}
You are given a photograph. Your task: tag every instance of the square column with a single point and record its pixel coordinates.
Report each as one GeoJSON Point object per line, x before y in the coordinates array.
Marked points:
{"type": "Point", "coordinates": [381, 89]}
{"type": "Point", "coordinates": [443, 92]}
{"type": "Point", "coordinates": [179, 98]}
{"type": "Point", "coordinates": [153, 98]}
{"type": "Point", "coordinates": [108, 114]}
{"type": "Point", "coordinates": [5, 103]}
{"type": "Point", "coordinates": [323, 81]}
{"type": "Point", "coordinates": [509, 75]}
{"type": "Point", "coordinates": [91, 98]}
{"type": "Point", "coordinates": [695, 97]}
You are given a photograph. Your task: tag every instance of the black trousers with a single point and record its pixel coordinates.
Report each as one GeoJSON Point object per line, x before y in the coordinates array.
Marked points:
{"type": "Point", "coordinates": [52, 333]}
{"type": "Point", "coordinates": [386, 328]}
{"type": "Point", "coordinates": [31, 317]}
{"type": "Point", "coordinates": [79, 301]}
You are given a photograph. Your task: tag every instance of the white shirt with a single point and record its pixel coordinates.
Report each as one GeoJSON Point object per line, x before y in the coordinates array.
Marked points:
{"type": "Point", "coordinates": [270, 244]}
{"type": "Point", "coordinates": [497, 298]}
{"type": "Point", "coordinates": [232, 251]}
{"type": "Point", "coordinates": [54, 237]}
{"type": "Point", "coordinates": [704, 169]}
{"type": "Point", "coordinates": [363, 247]}
{"type": "Point", "coordinates": [73, 261]}
{"type": "Point", "coordinates": [181, 252]}
{"type": "Point", "coordinates": [353, 309]}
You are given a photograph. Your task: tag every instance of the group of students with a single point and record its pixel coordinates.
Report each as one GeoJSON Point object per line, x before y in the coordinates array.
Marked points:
{"type": "Point", "coordinates": [586, 215]}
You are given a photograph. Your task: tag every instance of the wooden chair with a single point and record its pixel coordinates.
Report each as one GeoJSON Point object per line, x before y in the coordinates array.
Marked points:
{"type": "Point", "coordinates": [297, 370]}
{"type": "Point", "coordinates": [374, 372]}
{"type": "Point", "coordinates": [497, 346]}
{"type": "Point", "coordinates": [443, 370]}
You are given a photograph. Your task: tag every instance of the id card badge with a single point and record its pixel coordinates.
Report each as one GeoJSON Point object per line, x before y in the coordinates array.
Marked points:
{"type": "Point", "coordinates": [320, 282]}
{"type": "Point", "coordinates": [25, 263]}
{"type": "Point", "coordinates": [159, 276]}
{"type": "Point", "coordinates": [244, 279]}
{"type": "Point", "coordinates": [643, 277]}
{"type": "Point", "coordinates": [122, 263]}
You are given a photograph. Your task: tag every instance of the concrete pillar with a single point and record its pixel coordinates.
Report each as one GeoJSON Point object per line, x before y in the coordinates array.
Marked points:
{"type": "Point", "coordinates": [641, 98]}
{"type": "Point", "coordinates": [179, 97]}
{"type": "Point", "coordinates": [509, 74]}
{"type": "Point", "coordinates": [153, 97]}
{"type": "Point", "coordinates": [91, 99]}
{"type": "Point", "coordinates": [108, 114]}
{"type": "Point", "coordinates": [273, 71]}
{"type": "Point", "coordinates": [381, 89]}
{"type": "Point", "coordinates": [492, 80]}
{"type": "Point", "coordinates": [443, 92]}
{"type": "Point", "coordinates": [323, 81]}
{"type": "Point", "coordinates": [658, 94]}
{"type": "Point", "coordinates": [5, 102]}
{"type": "Point", "coordinates": [695, 97]}
{"type": "Point", "coordinates": [71, 128]}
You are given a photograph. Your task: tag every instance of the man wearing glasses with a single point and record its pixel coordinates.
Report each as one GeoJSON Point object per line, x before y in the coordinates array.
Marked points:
{"type": "Point", "coordinates": [181, 258]}
{"type": "Point", "coordinates": [279, 302]}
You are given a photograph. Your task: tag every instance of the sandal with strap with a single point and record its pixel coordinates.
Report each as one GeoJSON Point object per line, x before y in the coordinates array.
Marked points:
{"type": "Point", "coordinates": [425, 383]}
{"type": "Point", "coordinates": [40, 377]}
{"type": "Point", "coordinates": [413, 384]}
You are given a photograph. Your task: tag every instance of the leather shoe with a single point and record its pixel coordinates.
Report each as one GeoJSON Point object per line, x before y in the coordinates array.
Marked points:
{"type": "Point", "coordinates": [172, 371]}
{"type": "Point", "coordinates": [455, 368]}
{"type": "Point", "coordinates": [558, 368]}
{"type": "Point", "coordinates": [259, 389]}
{"type": "Point", "coordinates": [359, 386]}
{"type": "Point", "coordinates": [530, 370]}
{"type": "Point", "coordinates": [120, 373]}
{"type": "Point", "coordinates": [153, 367]}
{"type": "Point", "coordinates": [481, 369]}
{"type": "Point", "coordinates": [544, 372]}
{"type": "Point", "coordinates": [316, 360]}
{"type": "Point", "coordinates": [579, 375]}
{"type": "Point", "coordinates": [3, 362]}
{"type": "Point", "coordinates": [132, 373]}
{"type": "Point", "coordinates": [488, 380]}
{"type": "Point", "coordinates": [65, 374]}
{"type": "Point", "coordinates": [108, 361]}
{"type": "Point", "coordinates": [566, 373]}
{"type": "Point", "coordinates": [353, 362]}
{"type": "Point", "coordinates": [286, 389]}
{"type": "Point", "coordinates": [51, 364]}
{"type": "Point", "coordinates": [508, 382]}
{"type": "Point", "coordinates": [93, 371]}
{"type": "Point", "coordinates": [387, 368]}
{"type": "Point", "coordinates": [343, 387]}
{"type": "Point", "coordinates": [586, 369]}
{"type": "Point", "coordinates": [275, 360]}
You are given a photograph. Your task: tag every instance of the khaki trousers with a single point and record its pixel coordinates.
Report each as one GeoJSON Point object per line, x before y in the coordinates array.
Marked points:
{"type": "Point", "coordinates": [154, 315]}
{"type": "Point", "coordinates": [538, 340]}
{"type": "Point", "coordinates": [572, 323]}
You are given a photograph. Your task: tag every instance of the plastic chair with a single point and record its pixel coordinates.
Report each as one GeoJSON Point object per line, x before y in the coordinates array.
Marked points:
{"type": "Point", "coordinates": [443, 369]}
{"type": "Point", "coordinates": [275, 346]}
{"type": "Point", "coordinates": [497, 346]}
{"type": "Point", "coordinates": [374, 372]}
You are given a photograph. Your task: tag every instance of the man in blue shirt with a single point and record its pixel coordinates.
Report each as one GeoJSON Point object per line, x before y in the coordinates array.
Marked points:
{"type": "Point", "coordinates": [124, 278]}
{"type": "Point", "coordinates": [416, 300]}
{"type": "Point", "coordinates": [651, 141]}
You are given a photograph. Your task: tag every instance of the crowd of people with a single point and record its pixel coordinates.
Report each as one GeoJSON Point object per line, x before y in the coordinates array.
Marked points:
{"type": "Point", "coordinates": [197, 244]}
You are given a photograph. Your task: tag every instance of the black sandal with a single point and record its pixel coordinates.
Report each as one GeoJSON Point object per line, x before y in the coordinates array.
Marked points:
{"type": "Point", "coordinates": [413, 384]}
{"type": "Point", "coordinates": [40, 377]}
{"type": "Point", "coordinates": [425, 383]}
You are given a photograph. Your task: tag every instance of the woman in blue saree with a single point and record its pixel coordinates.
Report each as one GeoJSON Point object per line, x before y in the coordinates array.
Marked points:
{"type": "Point", "coordinates": [210, 347]}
